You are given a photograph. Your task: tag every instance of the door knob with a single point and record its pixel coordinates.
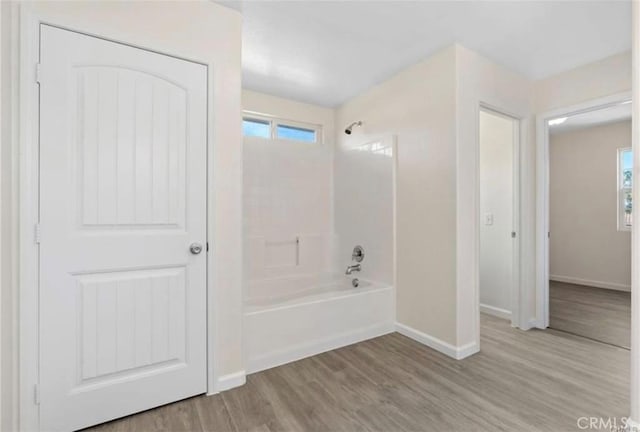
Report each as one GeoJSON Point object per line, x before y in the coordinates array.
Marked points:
{"type": "Point", "coordinates": [195, 248]}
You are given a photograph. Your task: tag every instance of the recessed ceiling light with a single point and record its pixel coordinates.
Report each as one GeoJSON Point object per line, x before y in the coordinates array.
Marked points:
{"type": "Point", "coordinates": [557, 121]}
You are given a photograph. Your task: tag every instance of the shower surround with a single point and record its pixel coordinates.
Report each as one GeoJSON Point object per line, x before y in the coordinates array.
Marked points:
{"type": "Point", "coordinates": [306, 205]}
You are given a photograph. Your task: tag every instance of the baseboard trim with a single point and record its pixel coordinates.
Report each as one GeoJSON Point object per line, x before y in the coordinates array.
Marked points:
{"type": "Point", "coordinates": [456, 352]}
{"type": "Point", "coordinates": [279, 358]}
{"type": "Point", "coordinates": [495, 311]}
{"type": "Point", "coordinates": [591, 283]}
{"type": "Point", "coordinates": [229, 381]}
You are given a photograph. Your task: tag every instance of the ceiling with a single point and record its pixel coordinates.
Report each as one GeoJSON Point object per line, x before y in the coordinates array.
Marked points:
{"type": "Point", "coordinates": [598, 117]}
{"type": "Point", "coordinates": [326, 52]}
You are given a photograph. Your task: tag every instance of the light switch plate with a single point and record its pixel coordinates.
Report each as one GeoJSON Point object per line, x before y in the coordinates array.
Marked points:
{"type": "Point", "coordinates": [488, 218]}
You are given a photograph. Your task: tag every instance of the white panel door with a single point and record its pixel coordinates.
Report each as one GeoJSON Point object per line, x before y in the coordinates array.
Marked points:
{"type": "Point", "coordinates": [122, 198]}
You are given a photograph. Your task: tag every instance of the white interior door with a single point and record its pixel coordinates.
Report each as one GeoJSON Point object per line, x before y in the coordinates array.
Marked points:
{"type": "Point", "coordinates": [122, 198]}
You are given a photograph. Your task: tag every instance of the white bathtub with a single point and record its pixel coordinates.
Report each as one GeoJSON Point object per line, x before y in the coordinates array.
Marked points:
{"type": "Point", "coordinates": [291, 318]}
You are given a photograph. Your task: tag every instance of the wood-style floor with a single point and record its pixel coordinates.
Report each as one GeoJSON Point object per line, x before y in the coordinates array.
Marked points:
{"type": "Point", "coordinates": [596, 313]}
{"type": "Point", "coordinates": [520, 381]}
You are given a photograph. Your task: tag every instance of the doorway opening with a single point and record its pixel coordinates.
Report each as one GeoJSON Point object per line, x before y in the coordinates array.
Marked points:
{"type": "Point", "coordinates": [585, 178]}
{"type": "Point", "coordinates": [499, 145]}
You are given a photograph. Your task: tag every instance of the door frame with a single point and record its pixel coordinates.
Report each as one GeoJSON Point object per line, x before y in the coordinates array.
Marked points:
{"type": "Point", "coordinates": [518, 137]}
{"type": "Point", "coordinates": [542, 193]}
{"type": "Point", "coordinates": [27, 395]}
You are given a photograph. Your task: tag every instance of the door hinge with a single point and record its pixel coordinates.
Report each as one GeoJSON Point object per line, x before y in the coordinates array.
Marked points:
{"type": "Point", "coordinates": [548, 234]}
{"type": "Point", "coordinates": [207, 246]}
{"type": "Point", "coordinates": [513, 234]}
{"type": "Point", "coordinates": [39, 72]}
{"type": "Point", "coordinates": [36, 394]}
{"type": "Point", "coordinates": [36, 234]}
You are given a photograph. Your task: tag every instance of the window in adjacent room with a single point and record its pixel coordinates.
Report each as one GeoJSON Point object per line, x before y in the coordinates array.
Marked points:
{"type": "Point", "coordinates": [625, 185]}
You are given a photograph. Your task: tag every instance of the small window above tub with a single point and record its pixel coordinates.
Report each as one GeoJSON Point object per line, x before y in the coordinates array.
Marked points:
{"type": "Point", "coordinates": [264, 126]}
{"type": "Point", "coordinates": [296, 133]}
{"type": "Point", "coordinates": [256, 127]}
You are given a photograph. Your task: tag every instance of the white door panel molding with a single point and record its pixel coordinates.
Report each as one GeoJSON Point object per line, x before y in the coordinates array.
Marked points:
{"type": "Point", "coordinates": [122, 196]}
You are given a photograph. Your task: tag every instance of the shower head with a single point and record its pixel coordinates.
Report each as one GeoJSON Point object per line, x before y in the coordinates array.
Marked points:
{"type": "Point", "coordinates": [350, 127]}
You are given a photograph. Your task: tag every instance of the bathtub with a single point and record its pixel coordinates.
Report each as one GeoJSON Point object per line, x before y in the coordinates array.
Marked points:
{"type": "Point", "coordinates": [291, 318]}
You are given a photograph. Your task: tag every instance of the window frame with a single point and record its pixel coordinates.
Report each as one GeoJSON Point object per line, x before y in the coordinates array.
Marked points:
{"type": "Point", "coordinates": [623, 190]}
{"type": "Point", "coordinates": [274, 122]}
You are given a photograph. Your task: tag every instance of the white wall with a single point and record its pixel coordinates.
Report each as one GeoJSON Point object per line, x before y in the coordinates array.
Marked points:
{"type": "Point", "coordinates": [433, 108]}
{"type": "Point", "coordinates": [287, 194]}
{"type": "Point", "coordinates": [602, 78]}
{"type": "Point", "coordinates": [201, 31]}
{"type": "Point", "coordinates": [8, 235]}
{"type": "Point", "coordinates": [586, 246]}
{"type": "Point", "coordinates": [418, 106]}
{"type": "Point", "coordinates": [364, 201]}
{"type": "Point", "coordinates": [496, 213]}
{"type": "Point", "coordinates": [480, 81]}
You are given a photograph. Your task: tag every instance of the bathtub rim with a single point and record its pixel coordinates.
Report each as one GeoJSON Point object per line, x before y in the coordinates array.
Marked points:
{"type": "Point", "coordinates": [317, 298]}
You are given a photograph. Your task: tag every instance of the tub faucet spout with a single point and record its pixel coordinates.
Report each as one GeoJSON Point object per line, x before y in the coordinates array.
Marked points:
{"type": "Point", "coordinates": [353, 268]}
